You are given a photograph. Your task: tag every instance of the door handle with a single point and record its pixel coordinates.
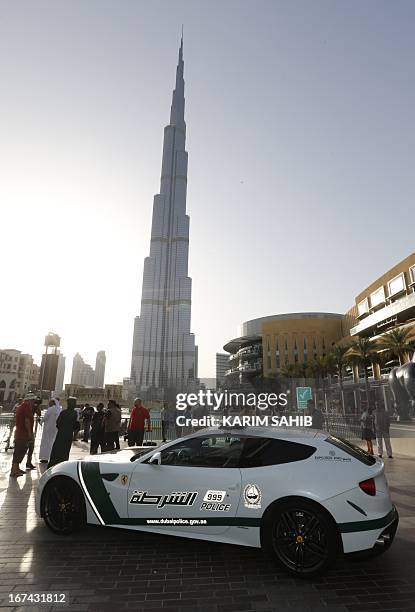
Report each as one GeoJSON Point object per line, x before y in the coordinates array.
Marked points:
{"type": "Point", "coordinates": [234, 487]}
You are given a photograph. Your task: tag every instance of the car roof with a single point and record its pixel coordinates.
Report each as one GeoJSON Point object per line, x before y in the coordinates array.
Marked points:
{"type": "Point", "coordinates": [296, 433]}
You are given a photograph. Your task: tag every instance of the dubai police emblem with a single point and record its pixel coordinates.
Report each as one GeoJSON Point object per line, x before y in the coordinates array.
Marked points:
{"type": "Point", "coordinates": [252, 496]}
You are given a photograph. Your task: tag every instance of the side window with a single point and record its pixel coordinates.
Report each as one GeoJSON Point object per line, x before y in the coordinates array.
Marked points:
{"type": "Point", "coordinates": [208, 451]}
{"type": "Point", "coordinates": [258, 452]}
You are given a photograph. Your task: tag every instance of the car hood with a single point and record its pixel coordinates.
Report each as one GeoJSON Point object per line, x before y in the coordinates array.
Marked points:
{"type": "Point", "coordinates": [122, 456]}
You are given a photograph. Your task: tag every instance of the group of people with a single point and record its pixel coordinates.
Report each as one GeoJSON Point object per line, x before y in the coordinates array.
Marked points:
{"type": "Point", "coordinates": [60, 427]}
{"type": "Point", "coordinates": [375, 426]}
{"type": "Point", "coordinates": [104, 425]}
{"type": "Point", "coordinates": [57, 432]}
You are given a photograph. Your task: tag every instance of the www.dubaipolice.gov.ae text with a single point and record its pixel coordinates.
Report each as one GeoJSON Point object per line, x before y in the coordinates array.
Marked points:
{"type": "Point", "coordinates": [245, 421]}
{"type": "Point", "coordinates": [230, 399]}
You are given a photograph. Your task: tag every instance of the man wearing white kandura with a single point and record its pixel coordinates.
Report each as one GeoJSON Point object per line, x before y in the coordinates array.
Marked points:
{"type": "Point", "coordinates": [49, 430]}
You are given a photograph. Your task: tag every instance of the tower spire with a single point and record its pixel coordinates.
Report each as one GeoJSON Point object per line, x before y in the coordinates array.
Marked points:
{"type": "Point", "coordinates": [177, 105]}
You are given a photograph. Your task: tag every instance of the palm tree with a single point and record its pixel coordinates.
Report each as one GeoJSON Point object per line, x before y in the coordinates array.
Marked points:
{"type": "Point", "coordinates": [362, 352]}
{"type": "Point", "coordinates": [289, 371]}
{"type": "Point", "coordinates": [398, 342]}
{"type": "Point", "coordinates": [338, 358]}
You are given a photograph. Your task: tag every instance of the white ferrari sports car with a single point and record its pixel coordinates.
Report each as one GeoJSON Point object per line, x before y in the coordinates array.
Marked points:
{"type": "Point", "coordinates": [301, 494]}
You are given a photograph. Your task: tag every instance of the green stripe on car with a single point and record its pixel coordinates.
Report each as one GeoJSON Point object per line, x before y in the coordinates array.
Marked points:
{"type": "Point", "coordinates": [99, 494]}
{"type": "Point", "coordinates": [369, 525]}
{"type": "Point", "coordinates": [101, 498]}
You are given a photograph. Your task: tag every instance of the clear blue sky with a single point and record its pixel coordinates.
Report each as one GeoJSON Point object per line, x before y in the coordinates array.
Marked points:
{"type": "Point", "coordinates": [301, 133]}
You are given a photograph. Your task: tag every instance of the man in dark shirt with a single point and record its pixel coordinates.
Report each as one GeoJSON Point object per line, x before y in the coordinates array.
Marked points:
{"type": "Point", "coordinates": [23, 436]}
{"type": "Point", "coordinates": [98, 430]}
{"type": "Point", "coordinates": [86, 416]}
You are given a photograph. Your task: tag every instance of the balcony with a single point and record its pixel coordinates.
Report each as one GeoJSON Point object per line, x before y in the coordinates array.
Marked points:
{"type": "Point", "coordinates": [394, 309]}
{"type": "Point", "coordinates": [250, 367]}
{"type": "Point", "coordinates": [232, 371]}
{"type": "Point", "coordinates": [250, 351]}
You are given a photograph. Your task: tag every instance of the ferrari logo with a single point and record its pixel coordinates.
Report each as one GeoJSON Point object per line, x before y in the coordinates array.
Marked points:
{"type": "Point", "coordinates": [124, 479]}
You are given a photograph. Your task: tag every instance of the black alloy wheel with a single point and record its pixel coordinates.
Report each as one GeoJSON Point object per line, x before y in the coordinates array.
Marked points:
{"type": "Point", "coordinates": [302, 538]}
{"type": "Point", "coordinates": [63, 506]}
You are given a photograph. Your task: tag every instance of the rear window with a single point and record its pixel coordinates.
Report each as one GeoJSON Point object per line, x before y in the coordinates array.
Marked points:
{"type": "Point", "coordinates": [258, 452]}
{"type": "Point", "coordinates": [352, 450]}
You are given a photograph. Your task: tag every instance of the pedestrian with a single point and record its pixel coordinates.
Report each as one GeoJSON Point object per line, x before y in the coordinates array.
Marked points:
{"type": "Point", "coordinates": [317, 418]}
{"type": "Point", "coordinates": [65, 424]}
{"type": "Point", "coordinates": [187, 428]}
{"type": "Point", "coordinates": [49, 430]}
{"type": "Point", "coordinates": [23, 435]}
{"type": "Point", "coordinates": [112, 424]}
{"type": "Point", "coordinates": [169, 422]}
{"type": "Point", "coordinates": [177, 428]}
{"type": "Point", "coordinates": [37, 414]}
{"type": "Point", "coordinates": [78, 423]}
{"type": "Point", "coordinates": [98, 430]}
{"type": "Point", "coordinates": [86, 416]}
{"type": "Point", "coordinates": [12, 424]}
{"type": "Point", "coordinates": [382, 425]}
{"type": "Point", "coordinates": [135, 429]}
{"type": "Point", "coordinates": [368, 428]}
{"type": "Point", "coordinates": [163, 418]}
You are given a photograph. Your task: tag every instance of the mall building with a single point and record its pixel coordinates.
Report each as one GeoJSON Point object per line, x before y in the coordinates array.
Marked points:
{"type": "Point", "coordinates": [268, 344]}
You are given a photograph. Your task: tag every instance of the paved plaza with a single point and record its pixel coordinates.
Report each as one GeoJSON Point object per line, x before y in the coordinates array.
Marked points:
{"type": "Point", "coordinates": [109, 569]}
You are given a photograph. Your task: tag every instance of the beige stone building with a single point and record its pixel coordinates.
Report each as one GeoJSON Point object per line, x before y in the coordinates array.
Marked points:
{"type": "Point", "coordinates": [18, 375]}
{"type": "Point", "coordinates": [95, 395]}
{"type": "Point", "coordinates": [268, 344]}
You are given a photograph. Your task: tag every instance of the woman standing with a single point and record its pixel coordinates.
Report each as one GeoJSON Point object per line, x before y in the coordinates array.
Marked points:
{"type": "Point", "coordinates": [49, 430]}
{"type": "Point", "coordinates": [368, 428]}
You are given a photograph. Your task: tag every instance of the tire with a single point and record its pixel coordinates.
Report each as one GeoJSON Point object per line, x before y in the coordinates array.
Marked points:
{"type": "Point", "coordinates": [301, 536]}
{"type": "Point", "coordinates": [63, 506]}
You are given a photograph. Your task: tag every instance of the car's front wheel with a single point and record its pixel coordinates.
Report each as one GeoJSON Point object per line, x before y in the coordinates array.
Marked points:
{"type": "Point", "coordinates": [63, 506]}
{"type": "Point", "coordinates": [301, 537]}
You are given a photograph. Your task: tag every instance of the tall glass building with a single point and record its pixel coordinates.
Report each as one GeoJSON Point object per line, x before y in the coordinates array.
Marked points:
{"type": "Point", "coordinates": [163, 354]}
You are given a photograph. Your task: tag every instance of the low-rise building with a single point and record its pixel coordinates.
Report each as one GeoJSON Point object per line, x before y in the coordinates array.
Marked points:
{"type": "Point", "coordinates": [95, 395]}
{"type": "Point", "coordinates": [268, 344]}
{"type": "Point", "coordinates": [18, 375]}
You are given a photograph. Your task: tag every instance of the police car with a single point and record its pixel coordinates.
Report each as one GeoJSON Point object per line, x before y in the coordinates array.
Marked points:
{"type": "Point", "coordinates": [301, 494]}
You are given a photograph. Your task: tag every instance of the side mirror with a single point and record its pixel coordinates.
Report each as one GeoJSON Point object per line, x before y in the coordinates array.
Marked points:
{"type": "Point", "coordinates": [155, 459]}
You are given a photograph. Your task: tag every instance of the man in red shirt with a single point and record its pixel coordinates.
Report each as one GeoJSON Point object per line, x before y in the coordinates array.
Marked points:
{"type": "Point", "coordinates": [135, 431]}
{"type": "Point", "coordinates": [23, 435]}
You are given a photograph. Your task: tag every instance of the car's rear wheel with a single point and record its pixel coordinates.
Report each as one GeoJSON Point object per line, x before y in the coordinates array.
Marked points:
{"type": "Point", "coordinates": [63, 506]}
{"type": "Point", "coordinates": [301, 536]}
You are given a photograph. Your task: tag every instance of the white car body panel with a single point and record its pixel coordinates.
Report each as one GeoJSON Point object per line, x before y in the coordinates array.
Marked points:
{"type": "Point", "coordinates": [329, 477]}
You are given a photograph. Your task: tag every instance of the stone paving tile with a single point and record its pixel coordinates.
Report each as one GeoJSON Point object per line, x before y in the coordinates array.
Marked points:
{"type": "Point", "coordinates": [109, 569]}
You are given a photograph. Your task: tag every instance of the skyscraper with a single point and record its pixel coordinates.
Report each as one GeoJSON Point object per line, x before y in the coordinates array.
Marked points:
{"type": "Point", "coordinates": [222, 364]}
{"type": "Point", "coordinates": [82, 373]}
{"type": "Point", "coordinates": [60, 374]}
{"type": "Point", "coordinates": [163, 348]}
{"type": "Point", "coordinates": [100, 369]}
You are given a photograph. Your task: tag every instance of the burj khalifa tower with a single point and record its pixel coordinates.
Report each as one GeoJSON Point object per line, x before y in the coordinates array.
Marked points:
{"type": "Point", "coordinates": [164, 354]}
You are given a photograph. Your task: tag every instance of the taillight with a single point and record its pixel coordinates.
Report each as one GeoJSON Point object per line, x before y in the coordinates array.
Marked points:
{"type": "Point", "coordinates": [368, 486]}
